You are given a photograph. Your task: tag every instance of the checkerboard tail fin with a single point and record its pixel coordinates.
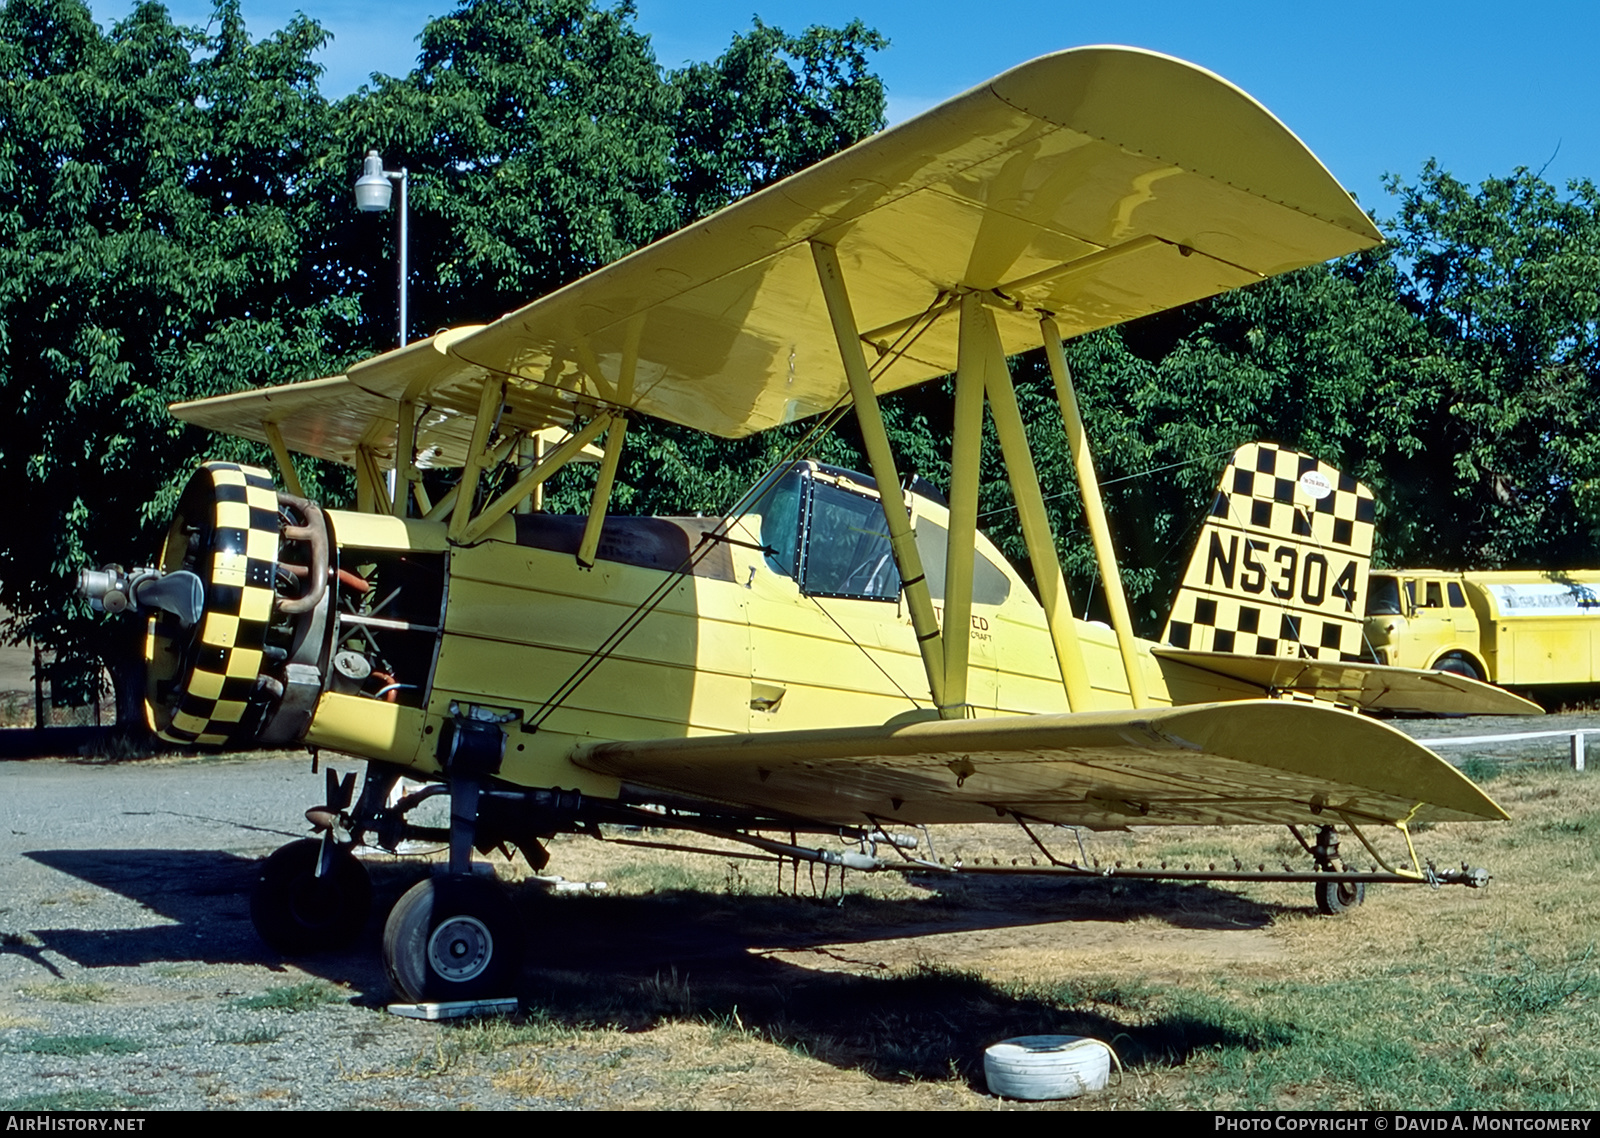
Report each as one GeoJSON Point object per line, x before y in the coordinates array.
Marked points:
{"type": "Point", "coordinates": [1280, 568]}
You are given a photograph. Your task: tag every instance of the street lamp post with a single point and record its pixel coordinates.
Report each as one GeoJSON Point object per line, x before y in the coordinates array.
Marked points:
{"type": "Point", "coordinates": [373, 191]}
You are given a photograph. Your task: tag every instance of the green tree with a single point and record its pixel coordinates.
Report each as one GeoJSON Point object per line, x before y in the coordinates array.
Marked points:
{"type": "Point", "coordinates": [772, 104]}
{"type": "Point", "coordinates": [151, 200]}
{"type": "Point", "coordinates": [1506, 282]}
{"type": "Point", "coordinates": [539, 132]}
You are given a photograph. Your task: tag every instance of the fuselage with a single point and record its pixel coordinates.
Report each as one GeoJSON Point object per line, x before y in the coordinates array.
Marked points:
{"type": "Point", "coordinates": [742, 640]}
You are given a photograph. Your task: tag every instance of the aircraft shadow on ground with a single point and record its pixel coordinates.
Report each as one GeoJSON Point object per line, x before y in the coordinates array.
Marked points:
{"type": "Point", "coordinates": [714, 957]}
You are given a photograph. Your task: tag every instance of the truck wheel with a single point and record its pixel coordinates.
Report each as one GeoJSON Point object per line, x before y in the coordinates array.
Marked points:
{"type": "Point", "coordinates": [1458, 665]}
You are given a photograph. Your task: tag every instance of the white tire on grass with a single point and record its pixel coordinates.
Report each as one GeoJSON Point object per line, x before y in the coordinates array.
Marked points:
{"type": "Point", "coordinates": [1039, 1067]}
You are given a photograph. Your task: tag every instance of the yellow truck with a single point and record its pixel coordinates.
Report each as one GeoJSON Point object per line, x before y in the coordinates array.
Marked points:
{"type": "Point", "coordinates": [1524, 628]}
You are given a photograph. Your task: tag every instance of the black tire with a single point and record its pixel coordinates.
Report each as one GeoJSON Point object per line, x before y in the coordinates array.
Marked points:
{"type": "Point", "coordinates": [296, 912]}
{"type": "Point", "coordinates": [451, 938]}
{"type": "Point", "coordinates": [1337, 897]}
{"type": "Point", "coordinates": [1458, 665]}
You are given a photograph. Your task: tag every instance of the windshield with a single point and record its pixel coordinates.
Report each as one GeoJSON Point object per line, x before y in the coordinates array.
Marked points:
{"type": "Point", "coordinates": [1383, 596]}
{"type": "Point", "coordinates": [779, 508]}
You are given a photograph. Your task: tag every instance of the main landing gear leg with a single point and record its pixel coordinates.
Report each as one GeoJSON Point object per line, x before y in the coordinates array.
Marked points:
{"type": "Point", "coordinates": [452, 936]}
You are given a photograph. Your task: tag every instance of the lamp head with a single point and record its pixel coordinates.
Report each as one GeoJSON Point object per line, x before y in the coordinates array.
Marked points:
{"type": "Point", "coordinates": [373, 189]}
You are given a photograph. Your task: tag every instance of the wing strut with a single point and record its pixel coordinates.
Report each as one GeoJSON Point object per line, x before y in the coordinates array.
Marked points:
{"type": "Point", "coordinates": [490, 400]}
{"type": "Point", "coordinates": [291, 477]}
{"type": "Point", "coordinates": [613, 452]}
{"type": "Point", "coordinates": [1094, 511]}
{"type": "Point", "coordinates": [902, 542]}
{"type": "Point", "coordinates": [1035, 522]}
{"type": "Point", "coordinates": [552, 462]}
{"type": "Point", "coordinates": [602, 491]}
{"type": "Point", "coordinates": [966, 448]}
{"type": "Point", "coordinates": [408, 479]}
{"type": "Point", "coordinates": [372, 488]}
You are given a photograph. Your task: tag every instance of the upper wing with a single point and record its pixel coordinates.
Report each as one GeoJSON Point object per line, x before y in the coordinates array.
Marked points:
{"type": "Point", "coordinates": [1264, 761]}
{"type": "Point", "coordinates": [331, 418]}
{"type": "Point", "coordinates": [1097, 184]}
{"type": "Point", "coordinates": [1373, 687]}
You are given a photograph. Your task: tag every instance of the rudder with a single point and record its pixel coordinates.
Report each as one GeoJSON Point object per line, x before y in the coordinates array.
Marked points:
{"type": "Point", "coordinates": [1280, 568]}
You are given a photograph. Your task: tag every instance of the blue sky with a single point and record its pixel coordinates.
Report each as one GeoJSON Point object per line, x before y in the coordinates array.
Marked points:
{"type": "Point", "coordinates": [1371, 88]}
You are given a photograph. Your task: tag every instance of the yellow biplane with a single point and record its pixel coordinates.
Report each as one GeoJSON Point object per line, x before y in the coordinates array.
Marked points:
{"type": "Point", "coordinates": [842, 653]}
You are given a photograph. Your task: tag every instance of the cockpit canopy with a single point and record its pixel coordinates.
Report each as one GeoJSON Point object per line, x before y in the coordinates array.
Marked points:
{"type": "Point", "coordinates": [824, 526]}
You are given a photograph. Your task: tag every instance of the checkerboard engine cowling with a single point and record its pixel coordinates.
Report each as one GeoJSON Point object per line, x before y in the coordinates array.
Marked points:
{"type": "Point", "coordinates": [223, 660]}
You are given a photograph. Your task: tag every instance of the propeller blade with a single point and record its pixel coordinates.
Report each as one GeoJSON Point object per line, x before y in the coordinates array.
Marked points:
{"type": "Point", "coordinates": [181, 593]}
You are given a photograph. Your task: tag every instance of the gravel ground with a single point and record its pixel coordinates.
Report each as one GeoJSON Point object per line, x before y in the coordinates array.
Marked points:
{"type": "Point", "coordinates": [130, 975]}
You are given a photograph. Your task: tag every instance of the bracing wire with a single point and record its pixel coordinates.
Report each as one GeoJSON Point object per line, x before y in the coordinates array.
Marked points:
{"type": "Point", "coordinates": [1113, 481]}
{"type": "Point", "coordinates": [863, 649]}
{"type": "Point", "coordinates": [830, 419]}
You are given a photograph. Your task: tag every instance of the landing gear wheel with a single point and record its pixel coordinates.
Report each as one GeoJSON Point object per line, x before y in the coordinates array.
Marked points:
{"type": "Point", "coordinates": [451, 938]}
{"type": "Point", "coordinates": [297, 912]}
{"type": "Point", "coordinates": [1336, 897]}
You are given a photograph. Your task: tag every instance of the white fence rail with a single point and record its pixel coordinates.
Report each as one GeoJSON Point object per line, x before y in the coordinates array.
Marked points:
{"type": "Point", "coordinates": [1575, 736]}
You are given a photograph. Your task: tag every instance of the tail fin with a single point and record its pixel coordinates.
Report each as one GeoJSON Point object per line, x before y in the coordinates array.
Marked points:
{"type": "Point", "coordinates": [1281, 565]}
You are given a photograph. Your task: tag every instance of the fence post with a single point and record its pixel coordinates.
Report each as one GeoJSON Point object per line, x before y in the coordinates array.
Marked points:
{"type": "Point", "coordinates": [1577, 751]}
{"type": "Point", "coordinates": [38, 689]}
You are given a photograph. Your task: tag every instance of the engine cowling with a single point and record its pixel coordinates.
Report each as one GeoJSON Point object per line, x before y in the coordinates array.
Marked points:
{"type": "Point", "coordinates": [263, 560]}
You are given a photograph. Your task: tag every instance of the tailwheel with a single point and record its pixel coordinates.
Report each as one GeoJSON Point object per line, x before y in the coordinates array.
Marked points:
{"type": "Point", "coordinates": [1336, 897]}
{"type": "Point", "coordinates": [296, 911]}
{"type": "Point", "coordinates": [451, 938]}
{"type": "Point", "coordinates": [1333, 897]}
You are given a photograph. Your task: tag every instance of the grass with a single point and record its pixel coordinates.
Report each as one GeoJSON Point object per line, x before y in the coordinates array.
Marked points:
{"type": "Point", "coordinates": [658, 877]}
{"type": "Point", "coordinates": [69, 991]}
{"type": "Point", "coordinates": [1530, 988]}
{"type": "Point", "coordinates": [1229, 997]}
{"type": "Point", "coordinates": [302, 997]}
{"type": "Point", "coordinates": [74, 1045]}
{"type": "Point", "coordinates": [70, 1100]}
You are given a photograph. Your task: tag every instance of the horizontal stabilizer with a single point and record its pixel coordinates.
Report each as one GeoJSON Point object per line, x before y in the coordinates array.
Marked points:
{"type": "Point", "coordinates": [1371, 687]}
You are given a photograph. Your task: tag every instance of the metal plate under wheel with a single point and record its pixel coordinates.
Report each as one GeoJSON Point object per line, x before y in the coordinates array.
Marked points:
{"type": "Point", "coordinates": [456, 1009]}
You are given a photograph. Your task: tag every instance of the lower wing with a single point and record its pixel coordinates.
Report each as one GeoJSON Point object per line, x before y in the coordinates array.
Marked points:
{"type": "Point", "coordinates": [1248, 762]}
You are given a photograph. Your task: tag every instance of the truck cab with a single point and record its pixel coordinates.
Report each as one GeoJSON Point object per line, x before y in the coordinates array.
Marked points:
{"type": "Point", "coordinates": [1423, 618]}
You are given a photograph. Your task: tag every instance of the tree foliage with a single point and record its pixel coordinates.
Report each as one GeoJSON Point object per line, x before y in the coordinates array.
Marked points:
{"type": "Point", "coordinates": [771, 105]}
{"type": "Point", "coordinates": [154, 221]}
